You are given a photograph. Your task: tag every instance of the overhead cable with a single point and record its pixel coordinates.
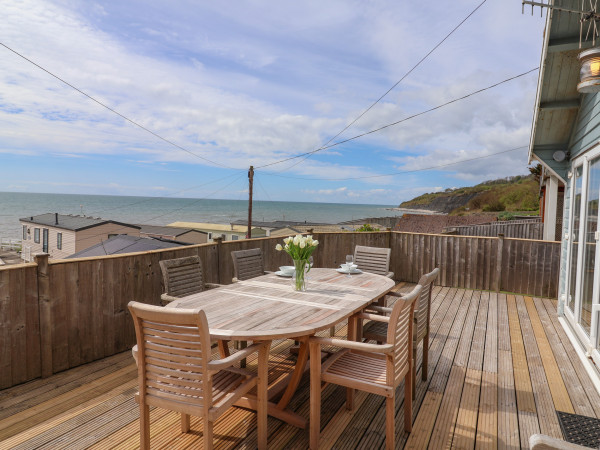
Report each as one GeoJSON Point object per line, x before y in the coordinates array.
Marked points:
{"type": "Point", "coordinates": [403, 171]}
{"type": "Point", "coordinates": [479, 91]}
{"type": "Point", "coordinates": [113, 110]}
{"type": "Point", "coordinates": [397, 83]}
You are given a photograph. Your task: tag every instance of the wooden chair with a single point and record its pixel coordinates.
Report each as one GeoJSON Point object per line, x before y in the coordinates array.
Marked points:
{"type": "Point", "coordinates": [377, 369]}
{"type": "Point", "coordinates": [377, 331]}
{"type": "Point", "coordinates": [176, 372]}
{"type": "Point", "coordinates": [373, 260]}
{"type": "Point", "coordinates": [182, 276]}
{"type": "Point", "coordinates": [247, 264]}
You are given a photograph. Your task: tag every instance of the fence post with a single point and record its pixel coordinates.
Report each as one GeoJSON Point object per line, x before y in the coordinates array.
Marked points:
{"type": "Point", "coordinates": [218, 240]}
{"type": "Point", "coordinates": [499, 261]}
{"type": "Point", "coordinates": [45, 311]}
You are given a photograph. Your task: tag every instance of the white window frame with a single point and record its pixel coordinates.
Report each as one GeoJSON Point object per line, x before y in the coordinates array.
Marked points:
{"type": "Point", "coordinates": [574, 317]}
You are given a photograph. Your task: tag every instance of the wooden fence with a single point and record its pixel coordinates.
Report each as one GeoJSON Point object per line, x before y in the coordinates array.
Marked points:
{"type": "Point", "coordinates": [520, 229]}
{"type": "Point", "coordinates": [55, 315]}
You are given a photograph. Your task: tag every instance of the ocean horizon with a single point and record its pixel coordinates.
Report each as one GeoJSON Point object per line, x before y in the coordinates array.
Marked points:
{"type": "Point", "coordinates": [165, 210]}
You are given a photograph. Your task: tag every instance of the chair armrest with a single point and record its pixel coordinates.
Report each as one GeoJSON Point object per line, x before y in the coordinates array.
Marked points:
{"type": "Point", "coordinates": [352, 345]}
{"type": "Point", "coordinates": [220, 364]}
{"type": "Point", "coordinates": [168, 298]}
{"type": "Point", "coordinates": [379, 309]}
{"type": "Point", "coordinates": [375, 317]}
{"type": "Point", "coordinates": [542, 442]}
{"type": "Point", "coordinates": [213, 285]}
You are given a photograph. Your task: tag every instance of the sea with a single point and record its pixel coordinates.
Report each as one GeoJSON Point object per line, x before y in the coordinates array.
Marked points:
{"type": "Point", "coordinates": [163, 210]}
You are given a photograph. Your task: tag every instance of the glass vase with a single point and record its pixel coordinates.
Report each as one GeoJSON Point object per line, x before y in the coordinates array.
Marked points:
{"type": "Point", "coordinates": [299, 277]}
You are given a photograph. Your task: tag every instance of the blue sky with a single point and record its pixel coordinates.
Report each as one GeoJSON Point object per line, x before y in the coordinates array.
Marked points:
{"type": "Point", "coordinates": [254, 82]}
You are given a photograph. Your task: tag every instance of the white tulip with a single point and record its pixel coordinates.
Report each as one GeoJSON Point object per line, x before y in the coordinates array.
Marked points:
{"type": "Point", "coordinates": [302, 244]}
{"type": "Point", "coordinates": [315, 243]}
{"type": "Point", "coordinates": [278, 247]}
{"type": "Point", "coordinates": [297, 240]}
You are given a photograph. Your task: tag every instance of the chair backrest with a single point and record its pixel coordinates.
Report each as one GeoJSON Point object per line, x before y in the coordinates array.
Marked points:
{"type": "Point", "coordinates": [248, 263]}
{"type": "Point", "coordinates": [372, 259]}
{"type": "Point", "coordinates": [182, 276]}
{"type": "Point", "coordinates": [424, 303]}
{"type": "Point", "coordinates": [399, 334]}
{"type": "Point", "coordinates": [173, 353]}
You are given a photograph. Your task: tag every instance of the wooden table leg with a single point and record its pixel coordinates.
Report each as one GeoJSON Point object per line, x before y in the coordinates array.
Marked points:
{"type": "Point", "coordinates": [296, 374]}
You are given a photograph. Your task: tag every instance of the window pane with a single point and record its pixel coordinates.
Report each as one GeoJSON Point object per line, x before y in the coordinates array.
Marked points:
{"type": "Point", "coordinates": [589, 253]}
{"type": "Point", "coordinates": [575, 221]}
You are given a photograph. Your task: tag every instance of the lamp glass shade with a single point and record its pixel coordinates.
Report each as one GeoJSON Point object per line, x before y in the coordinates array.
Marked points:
{"type": "Point", "coordinates": [589, 73]}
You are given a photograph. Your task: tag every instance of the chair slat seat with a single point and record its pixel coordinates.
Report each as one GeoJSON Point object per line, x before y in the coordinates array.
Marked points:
{"type": "Point", "coordinates": [361, 368]}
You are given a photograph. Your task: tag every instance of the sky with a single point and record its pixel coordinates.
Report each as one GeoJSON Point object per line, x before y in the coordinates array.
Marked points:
{"type": "Point", "coordinates": [234, 84]}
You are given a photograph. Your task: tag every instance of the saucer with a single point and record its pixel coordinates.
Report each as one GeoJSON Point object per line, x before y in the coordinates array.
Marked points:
{"type": "Point", "coordinates": [279, 273]}
{"type": "Point", "coordinates": [346, 271]}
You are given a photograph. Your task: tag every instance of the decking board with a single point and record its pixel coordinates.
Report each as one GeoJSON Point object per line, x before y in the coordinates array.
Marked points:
{"type": "Point", "coordinates": [498, 367]}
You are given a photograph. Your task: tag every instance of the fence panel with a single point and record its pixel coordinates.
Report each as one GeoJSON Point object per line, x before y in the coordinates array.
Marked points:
{"type": "Point", "coordinates": [519, 229]}
{"type": "Point", "coordinates": [19, 325]}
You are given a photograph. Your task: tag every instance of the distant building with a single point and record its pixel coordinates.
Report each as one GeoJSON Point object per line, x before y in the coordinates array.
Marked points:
{"type": "Point", "coordinates": [186, 235]}
{"type": "Point", "coordinates": [62, 235]}
{"type": "Point", "coordinates": [125, 244]}
{"type": "Point", "coordinates": [229, 232]}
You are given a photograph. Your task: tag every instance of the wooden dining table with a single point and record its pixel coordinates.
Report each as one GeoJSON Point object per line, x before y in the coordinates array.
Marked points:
{"type": "Point", "coordinates": [267, 308]}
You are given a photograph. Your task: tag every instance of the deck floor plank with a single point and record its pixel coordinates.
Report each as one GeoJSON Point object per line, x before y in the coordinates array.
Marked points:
{"type": "Point", "coordinates": [546, 413]}
{"type": "Point", "coordinates": [499, 365]}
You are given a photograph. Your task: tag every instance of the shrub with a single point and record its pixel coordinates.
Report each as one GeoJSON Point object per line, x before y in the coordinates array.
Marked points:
{"type": "Point", "coordinates": [367, 227]}
{"type": "Point", "coordinates": [506, 216]}
{"type": "Point", "coordinates": [496, 205]}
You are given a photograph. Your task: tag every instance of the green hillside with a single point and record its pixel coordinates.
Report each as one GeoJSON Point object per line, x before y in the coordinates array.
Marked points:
{"type": "Point", "coordinates": [518, 193]}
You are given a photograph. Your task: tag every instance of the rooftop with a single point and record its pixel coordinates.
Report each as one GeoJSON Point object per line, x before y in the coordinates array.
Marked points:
{"type": "Point", "coordinates": [168, 231]}
{"type": "Point", "coordinates": [125, 244]}
{"type": "Point", "coordinates": [500, 367]}
{"type": "Point", "coordinates": [70, 222]}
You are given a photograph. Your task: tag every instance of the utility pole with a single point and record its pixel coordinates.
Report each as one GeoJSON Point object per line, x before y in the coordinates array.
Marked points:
{"type": "Point", "coordinates": [250, 182]}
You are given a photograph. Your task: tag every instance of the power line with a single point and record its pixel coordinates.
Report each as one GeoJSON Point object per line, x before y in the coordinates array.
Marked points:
{"type": "Point", "coordinates": [404, 171]}
{"type": "Point", "coordinates": [396, 84]}
{"type": "Point", "coordinates": [403, 120]}
{"type": "Point", "coordinates": [113, 110]}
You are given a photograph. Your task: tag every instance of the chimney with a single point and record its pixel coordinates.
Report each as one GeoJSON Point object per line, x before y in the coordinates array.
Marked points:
{"type": "Point", "coordinates": [55, 218]}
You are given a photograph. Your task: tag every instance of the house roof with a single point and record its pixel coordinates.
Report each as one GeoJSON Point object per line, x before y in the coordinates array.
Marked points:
{"type": "Point", "coordinates": [124, 243]}
{"type": "Point", "coordinates": [212, 226]}
{"type": "Point", "coordinates": [557, 101]}
{"type": "Point", "coordinates": [166, 231]}
{"type": "Point", "coordinates": [71, 222]}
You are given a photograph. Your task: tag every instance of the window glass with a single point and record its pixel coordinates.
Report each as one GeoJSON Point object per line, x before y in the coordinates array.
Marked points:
{"type": "Point", "coordinates": [36, 235]}
{"type": "Point", "coordinates": [24, 232]}
{"type": "Point", "coordinates": [575, 221]}
{"type": "Point", "coordinates": [59, 241]}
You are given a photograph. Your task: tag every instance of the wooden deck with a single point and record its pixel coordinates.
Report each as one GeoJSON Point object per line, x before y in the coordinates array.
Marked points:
{"type": "Point", "coordinates": [500, 365]}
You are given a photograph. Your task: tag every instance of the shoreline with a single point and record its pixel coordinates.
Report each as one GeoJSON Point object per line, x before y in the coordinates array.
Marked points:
{"type": "Point", "coordinates": [417, 211]}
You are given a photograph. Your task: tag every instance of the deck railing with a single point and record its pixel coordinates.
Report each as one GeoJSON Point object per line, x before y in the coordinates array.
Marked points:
{"type": "Point", "coordinates": [60, 314]}
{"type": "Point", "coordinates": [520, 229]}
